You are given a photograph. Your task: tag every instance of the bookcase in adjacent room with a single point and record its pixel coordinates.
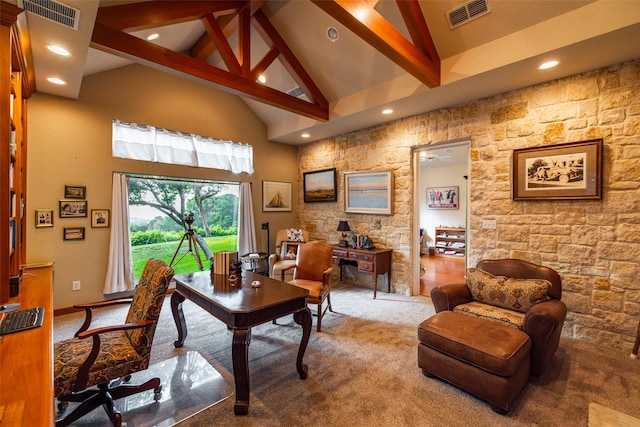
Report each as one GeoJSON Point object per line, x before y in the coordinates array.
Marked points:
{"type": "Point", "coordinates": [451, 241]}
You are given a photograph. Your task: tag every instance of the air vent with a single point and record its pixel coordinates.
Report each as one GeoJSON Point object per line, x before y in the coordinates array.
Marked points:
{"type": "Point", "coordinates": [467, 12]}
{"type": "Point", "coordinates": [53, 11]}
{"type": "Point", "coordinates": [296, 91]}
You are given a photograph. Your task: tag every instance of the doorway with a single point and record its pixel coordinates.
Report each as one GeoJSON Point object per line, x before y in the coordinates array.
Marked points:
{"type": "Point", "coordinates": [441, 182]}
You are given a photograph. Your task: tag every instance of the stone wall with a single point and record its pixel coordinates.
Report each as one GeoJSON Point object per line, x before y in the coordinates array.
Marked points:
{"type": "Point", "coordinates": [593, 244]}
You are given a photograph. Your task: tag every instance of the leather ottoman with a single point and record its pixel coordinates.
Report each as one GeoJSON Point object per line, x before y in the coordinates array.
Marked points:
{"type": "Point", "coordinates": [484, 358]}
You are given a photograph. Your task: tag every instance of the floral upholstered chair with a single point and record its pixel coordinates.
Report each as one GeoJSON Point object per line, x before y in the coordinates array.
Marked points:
{"type": "Point", "coordinates": [104, 356]}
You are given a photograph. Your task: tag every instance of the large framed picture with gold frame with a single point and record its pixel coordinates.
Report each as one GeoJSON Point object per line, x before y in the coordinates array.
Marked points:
{"type": "Point", "coordinates": [558, 172]}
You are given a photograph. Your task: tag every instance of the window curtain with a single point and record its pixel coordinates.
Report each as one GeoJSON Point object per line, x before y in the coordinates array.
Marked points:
{"type": "Point", "coordinates": [140, 142]}
{"type": "Point", "coordinates": [120, 268]}
{"type": "Point", "coordinates": [246, 224]}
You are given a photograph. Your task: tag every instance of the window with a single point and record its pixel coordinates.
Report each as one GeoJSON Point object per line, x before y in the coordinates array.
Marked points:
{"type": "Point", "coordinates": [178, 219]}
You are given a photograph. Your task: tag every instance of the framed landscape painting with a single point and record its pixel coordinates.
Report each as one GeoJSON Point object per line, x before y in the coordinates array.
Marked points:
{"type": "Point", "coordinates": [558, 172]}
{"type": "Point", "coordinates": [320, 186]}
{"type": "Point", "coordinates": [369, 192]}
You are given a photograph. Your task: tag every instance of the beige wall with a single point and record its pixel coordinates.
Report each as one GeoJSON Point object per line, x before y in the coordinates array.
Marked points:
{"type": "Point", "coordinates": [594, 244]}
{"type": "Point", "coordinates": [69, 142]}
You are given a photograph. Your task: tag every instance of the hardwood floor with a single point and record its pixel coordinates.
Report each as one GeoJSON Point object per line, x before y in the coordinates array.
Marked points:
{"type": "Point", "coordinates": [440, 270]}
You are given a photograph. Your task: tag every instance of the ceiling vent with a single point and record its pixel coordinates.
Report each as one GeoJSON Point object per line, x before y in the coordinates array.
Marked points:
{"type": "Point", "coordinates": [467, 12]}
{"type": "Point", "coordinates": [296, 91]}
{"type": "Point", "coordinates": [53, 11]}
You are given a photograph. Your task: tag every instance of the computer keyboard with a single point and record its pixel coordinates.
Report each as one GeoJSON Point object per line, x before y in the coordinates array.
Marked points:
{"type": "Point", "coordinates": [21, 320]}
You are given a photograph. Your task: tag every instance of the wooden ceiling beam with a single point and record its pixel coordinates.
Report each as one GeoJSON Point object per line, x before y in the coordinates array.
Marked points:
{"type": "Point", "coordinates": [204, 46]}
{"type": "Point", "coordinates": [417, 26]}
{"type": "Point", "coordinates": [219, 39]}
{"type": "Point", "coordinates": [135, 49]}
{"type": "Point", "coordinates": [364, 21]}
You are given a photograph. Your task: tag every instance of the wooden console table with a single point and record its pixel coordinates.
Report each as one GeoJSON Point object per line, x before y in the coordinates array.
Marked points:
{"type": "Point", "coordinates": [376, 261]}
{"type": "Point", "coordinates": [26, 357]}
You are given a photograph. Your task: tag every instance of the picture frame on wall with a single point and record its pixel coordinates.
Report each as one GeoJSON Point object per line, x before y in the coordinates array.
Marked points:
{"type": "Point", "coordinates": [558, 172]}
{"type": "Point", "coordinates": [276, 196]}
{"type": "Point", "coordinates": [100, 218]}
{"type": "Point", "coordinates": [75, 192]}
{"type": "Point", "coordinates": [44, 218]}
{"type": "Point", "coordinates": [443, 197]}
{"type": "Point", "coordinates": [320, 186]}
{"type": "Point", "coordinates": [369, 192]}
{"type": "Point", "coordinates": [73, 233]}
{"type": "Point", "coordinates": [73, 209]}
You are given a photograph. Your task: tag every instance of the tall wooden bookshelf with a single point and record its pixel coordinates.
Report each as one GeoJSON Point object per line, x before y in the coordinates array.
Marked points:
{"type": "Point", "coordinates": [13, 137]}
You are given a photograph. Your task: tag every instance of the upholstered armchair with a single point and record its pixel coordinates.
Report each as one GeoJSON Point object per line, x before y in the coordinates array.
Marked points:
{"type": "Point", "coordinates": [285, 255]}
{"type": "Point", "coordinates": [312, 271]}
{"type": "Point", "coordinates": [516, 293]}
{"type": "Point", "coordinates": [106, 357]}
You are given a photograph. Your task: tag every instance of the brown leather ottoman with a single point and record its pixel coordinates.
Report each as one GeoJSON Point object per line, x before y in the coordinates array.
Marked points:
{"type": "Point", "coordinates": [485, 358]}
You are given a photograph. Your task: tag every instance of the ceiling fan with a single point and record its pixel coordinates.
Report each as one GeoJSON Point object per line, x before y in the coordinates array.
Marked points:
{"type": "Point", "coordinates": [430, 156]}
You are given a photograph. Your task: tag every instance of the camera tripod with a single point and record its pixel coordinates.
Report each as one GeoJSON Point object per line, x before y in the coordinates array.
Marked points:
{"type": "Point", "coordinates": [189, 235]}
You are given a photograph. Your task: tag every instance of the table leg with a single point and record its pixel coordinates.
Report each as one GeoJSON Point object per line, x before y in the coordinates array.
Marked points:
{"type": "Point", "coordinates": [240, 356]}
{"type": "Point", "coordinates": [178, 316]}
{"type": "Point", "coordinates": [303, 318]}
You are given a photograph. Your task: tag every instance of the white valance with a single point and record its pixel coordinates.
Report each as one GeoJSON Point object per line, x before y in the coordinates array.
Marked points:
{"type": "Point", "coordinates": [141, 142]}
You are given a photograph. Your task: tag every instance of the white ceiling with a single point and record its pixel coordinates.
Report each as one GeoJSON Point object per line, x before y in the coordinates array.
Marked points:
{"type": "Point", "coordinates": [497, 52]}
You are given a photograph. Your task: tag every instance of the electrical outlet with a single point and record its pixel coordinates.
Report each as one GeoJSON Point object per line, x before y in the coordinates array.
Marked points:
{"type": "Point", "coordinates": [489, 224]}
{"type": "Point", "coordinates": [76, 285]}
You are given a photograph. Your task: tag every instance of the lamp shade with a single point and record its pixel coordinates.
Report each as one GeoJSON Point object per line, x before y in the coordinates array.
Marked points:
{"type": "Point", "coordinates": [343, 226]}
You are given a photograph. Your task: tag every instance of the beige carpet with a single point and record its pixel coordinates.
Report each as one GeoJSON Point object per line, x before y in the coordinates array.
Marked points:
{"type": "Point", "coordinates": [363, 371]}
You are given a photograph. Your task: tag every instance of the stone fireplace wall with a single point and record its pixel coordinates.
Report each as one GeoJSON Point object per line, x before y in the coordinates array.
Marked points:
{"type": "Point", "coordinates": [593, 244]}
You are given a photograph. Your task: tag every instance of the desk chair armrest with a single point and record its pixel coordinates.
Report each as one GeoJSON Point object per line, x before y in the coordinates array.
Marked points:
{"type": "Point", "coordinates": [286, 269]}
{"type": "Point", "coordinates": [88, 307]}
{"type": "Point", "coordinates": [326, 279]}
{"type": "Point", "coordinates": [83, 371]}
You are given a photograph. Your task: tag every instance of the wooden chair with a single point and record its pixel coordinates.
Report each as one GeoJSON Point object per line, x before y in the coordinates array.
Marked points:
{"type": "Point", "coordinates": [313, 273]}
{"type": "Point", "coordinates": [107, 356]}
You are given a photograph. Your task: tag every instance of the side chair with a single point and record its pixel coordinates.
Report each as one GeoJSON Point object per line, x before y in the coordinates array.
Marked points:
{"type": "Point", "coordinates": [313, 273]}
{"type": "Point", "coordinates": [106, 357]}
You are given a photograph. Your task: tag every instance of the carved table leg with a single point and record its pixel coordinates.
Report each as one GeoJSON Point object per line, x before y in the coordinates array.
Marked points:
{"type": "Point", "coordinates": [240, 356]}
{"type": "Point", "coordinates": [178, 316]}
{"type": "Point", "coordinates": [303, 318]}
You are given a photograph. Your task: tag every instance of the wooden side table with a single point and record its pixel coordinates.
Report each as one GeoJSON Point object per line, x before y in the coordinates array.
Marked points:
{"type": "Point", "coordinates": [375, 261]}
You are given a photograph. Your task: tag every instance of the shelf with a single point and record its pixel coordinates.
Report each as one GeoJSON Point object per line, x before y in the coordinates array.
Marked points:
{"type": "Point", "coordinates": [451, 242]}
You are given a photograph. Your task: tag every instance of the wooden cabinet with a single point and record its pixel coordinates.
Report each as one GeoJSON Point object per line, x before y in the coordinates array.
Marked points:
{"type": "Point", "coordinates": [451, 241]}
{"type": "Point", "coordinates": [13, 124]}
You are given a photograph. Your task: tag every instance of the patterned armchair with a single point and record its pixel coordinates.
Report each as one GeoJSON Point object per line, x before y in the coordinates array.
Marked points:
{"type": "Point", "coordinates": [103, 356]}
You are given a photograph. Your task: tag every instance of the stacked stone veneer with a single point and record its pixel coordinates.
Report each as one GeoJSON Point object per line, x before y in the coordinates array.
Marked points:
{"type": "Point", "coordinates": [593, 244]}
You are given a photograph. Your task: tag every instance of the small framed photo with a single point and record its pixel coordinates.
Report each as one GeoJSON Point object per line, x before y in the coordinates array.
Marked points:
{"type": "Point", "coordinates": [568, 171]}
{"type": "Point", "coordinates": [73, 233]}
{"type": "Point", "coordinates": [99, 218]}
{"type": "Point", "coordinates": [320, 186]}
{"type": "Point", "coordinates": [73, 208]}
{"type": "Point", "coordinates": [276, 196]}
{"type": "Point", "coordinates": [75, 192]}
{"type": "Point", "coordinates": [44, 218]}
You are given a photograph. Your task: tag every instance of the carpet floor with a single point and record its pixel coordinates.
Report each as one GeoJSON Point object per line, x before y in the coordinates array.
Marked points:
{"type": "Point", "coordinates": [363, 371]}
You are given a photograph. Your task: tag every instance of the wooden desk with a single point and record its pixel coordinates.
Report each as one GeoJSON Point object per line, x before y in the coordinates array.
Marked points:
{"type": "Point", "coordinates": [241, 307]}
{"type": "Point", "coordinates": [376, 261]}
{"type": "Point", "coordinates": [26, 358]}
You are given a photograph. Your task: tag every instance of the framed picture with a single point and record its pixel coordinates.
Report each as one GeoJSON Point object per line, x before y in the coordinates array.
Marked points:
{"type": "Point", "coordinates": [73, 233]}
{"type": "Point", "coordinates": [558, 172]}
{"type": "Point", "coordinates": [443, 197]}
{"type": "Point", "coordinates": [44, 218]}
{"type": "Point", "coordinates": [99, 218]}
{"type": "Point", "coordinates": [289, 250]}
{"type": "Point", "coordinates": [320, 186]}
{"type": "Point", "coordinates": [75, 192]}
{"type": "Point", "coordinates": [276, 196]}
{"type": "Point", "coordinates": [73, 208]}
{"type": "Point", "coordinates": [368, 192]}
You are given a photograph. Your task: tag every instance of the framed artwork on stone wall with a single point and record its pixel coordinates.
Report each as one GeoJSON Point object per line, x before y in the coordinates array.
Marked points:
{"type": "Point", "coordinates": [369, 192]}
{"type": "Point", "coordinates": [558, 172]}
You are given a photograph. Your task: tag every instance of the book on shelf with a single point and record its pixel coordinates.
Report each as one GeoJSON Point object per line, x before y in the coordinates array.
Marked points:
{"type": "Point", "coordinates": [223, 260]}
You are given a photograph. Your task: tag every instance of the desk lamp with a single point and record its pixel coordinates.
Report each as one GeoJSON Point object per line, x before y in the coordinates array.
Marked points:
{"type": "Point", "coordinates": [344, 227]}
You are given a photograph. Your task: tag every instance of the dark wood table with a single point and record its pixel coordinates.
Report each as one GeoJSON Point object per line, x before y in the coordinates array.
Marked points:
{"type": "Point", "coordinates": [374, 261]}
{"type": "Point", "coordinates": [241, 306]}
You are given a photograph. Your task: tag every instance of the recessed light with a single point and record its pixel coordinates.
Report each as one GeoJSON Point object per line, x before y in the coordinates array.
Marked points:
{"type": "Point", "coordinates": [58, 50]}
{"type": "Point", "coordinates": [262, 79]}
{"type": "Point", "coordinates": [153, 36]}
{"type": "Point", "coordinates": [56, 81]}
{"type": "Point", "coordinates": [332, 34]}
{"type": "Point", "coordinates": [387, 111]}
{"type": "Point", "coordinates": [548, 64]}
{"type": "Point", "coordinates": [305, 135]}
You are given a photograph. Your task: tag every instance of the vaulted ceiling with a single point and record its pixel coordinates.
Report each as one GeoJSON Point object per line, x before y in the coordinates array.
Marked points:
{"type": "Point", "coordinates": [332, 66]}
